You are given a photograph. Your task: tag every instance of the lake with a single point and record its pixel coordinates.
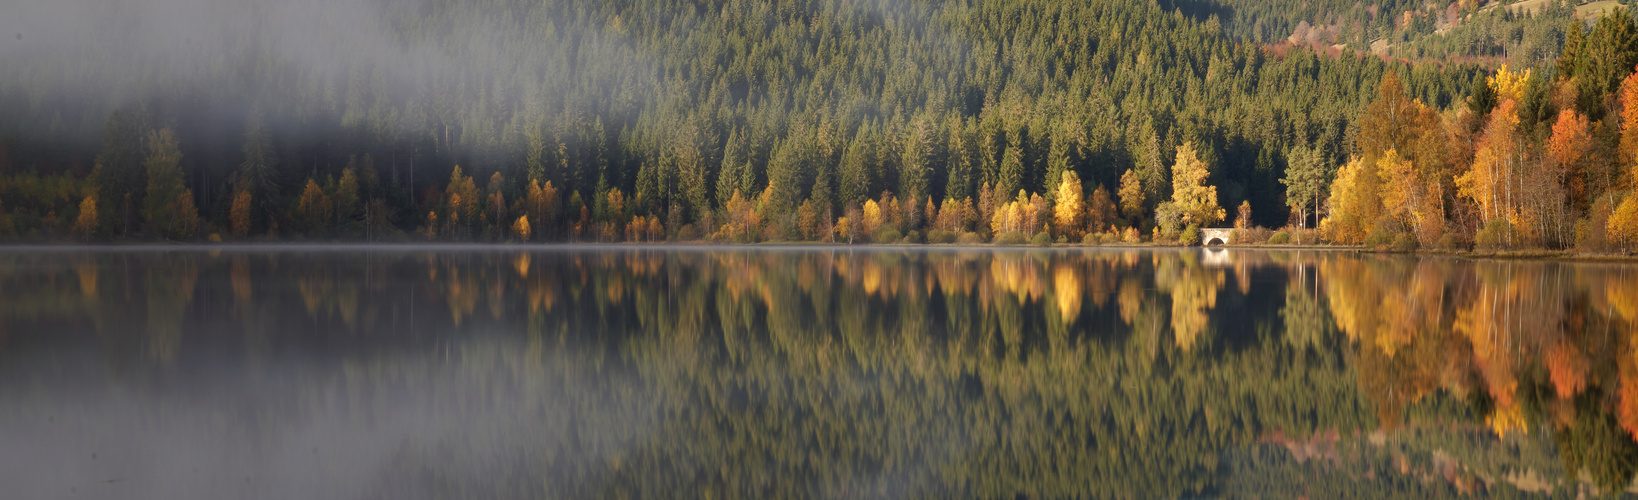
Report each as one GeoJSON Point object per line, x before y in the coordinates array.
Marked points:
{"type": "Point", "coordinates": [811, 372]}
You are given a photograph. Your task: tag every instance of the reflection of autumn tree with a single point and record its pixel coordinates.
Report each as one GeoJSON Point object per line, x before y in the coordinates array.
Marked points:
{"type": "Point", "coordinates": [1384, 302]}
{"type": "Point", "coordinates": [1193, 290]}
{"type": "Point", "coordinates": [903, 372]}
{"type": "Point", "coordinates": [1525, 343]}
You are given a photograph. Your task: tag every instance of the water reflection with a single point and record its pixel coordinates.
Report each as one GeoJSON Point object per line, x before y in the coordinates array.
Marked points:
{"type": "Point", "coordinates": [659, 372]}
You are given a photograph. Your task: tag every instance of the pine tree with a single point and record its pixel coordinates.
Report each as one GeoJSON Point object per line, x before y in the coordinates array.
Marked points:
{"type": "Point", "coordinates": [855, 170]}
{"type": "Point", "coordinates": [258, 173]}
{"type": "Point", "coordinates": [1304, 181]}
{"type": "Point", "coordinates": [165, 183]}
{"type": "Point", "coordinates": [119, 171]}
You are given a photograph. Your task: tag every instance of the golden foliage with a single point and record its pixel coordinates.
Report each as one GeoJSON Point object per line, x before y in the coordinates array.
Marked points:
{"type": "Point", "coordinates": [1510, 84]}
{"type": "Point", "coordinates": [521, 228]}
{"type": "Point", "coordinates": [872, 217]}
{"type": "Point", "coordinates": [184, 216]}
{"type": "Point", "coordinates": [656, 231]}
{"type": "Point", "coordinates": [1068, 213]}
{"type": "Point", "coordinates": [807, 220]}
{"type": "Point", "coordinates": [1623, 223]}
{"type": "Point", "coordinates": [616, 204]}
{"type": "Point", "coordinates": [743, 220]}
{"type": "Point", "coordinates": [540, 203]}
{"type": "Point", "coordinates": [1066, 290]}
{"type": "Point", "coordinates": [1355, 203]}
{"type": "Point", "coordinates": [463, 200]}
{"type": "Point", "coordinates": [1193, 289]}
{"type": "Point", "coordinates": [1196, 200]}
{"type": "Point", "coordinates": [85, 225]}
{"type": "Point", "coordinates": [1100, 211]}
{"type": "Point", "coordinates": [1131, 195]}
{"type": "Point", "coordinates": [1406, 195]}
{"type": "Point", "coordinates": [239, 214]}
{"type": "Point", "coordinates": [314, 207]}
{"type": "Point", "coordinates": [1507, 419]}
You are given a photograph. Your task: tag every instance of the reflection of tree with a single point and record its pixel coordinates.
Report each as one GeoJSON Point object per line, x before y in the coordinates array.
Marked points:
{"type": "Point", "coordinates": [1193, 290]}
{"type": "Point", "coordinates": [889, 373]}
{"type": "Point", "coordinates": [1525, 343]}
{"type": "Point", "coordinates": [169, 286]}
{"type": "Point", "coordinates": [1307, 320]}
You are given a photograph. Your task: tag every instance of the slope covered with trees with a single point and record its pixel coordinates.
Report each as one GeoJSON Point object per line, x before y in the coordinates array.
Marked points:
{"type": "Point", "coordinates": [642, 118]}
{"type": "Point", "coordinates": [1018, 121]}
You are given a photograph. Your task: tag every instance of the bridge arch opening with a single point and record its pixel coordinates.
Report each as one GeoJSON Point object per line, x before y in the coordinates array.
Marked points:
{"type": "Point", "coordinates": [1214, 241]}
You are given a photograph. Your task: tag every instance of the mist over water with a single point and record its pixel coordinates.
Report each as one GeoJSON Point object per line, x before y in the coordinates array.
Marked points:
{"type": "Point", "coordinates": [439, 372]}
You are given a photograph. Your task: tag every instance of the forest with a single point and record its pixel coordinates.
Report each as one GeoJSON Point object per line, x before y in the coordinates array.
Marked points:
{"type": "Point", "coordinates": [1021, 121]}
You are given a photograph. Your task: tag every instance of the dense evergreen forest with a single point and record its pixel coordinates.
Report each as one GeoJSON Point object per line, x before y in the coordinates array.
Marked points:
{"type": "Point", "coordinates": [789, 120]}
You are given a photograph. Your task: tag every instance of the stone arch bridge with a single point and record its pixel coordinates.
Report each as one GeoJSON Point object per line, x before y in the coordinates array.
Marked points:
{"type": "Point", "coordinates": [1215, 236]}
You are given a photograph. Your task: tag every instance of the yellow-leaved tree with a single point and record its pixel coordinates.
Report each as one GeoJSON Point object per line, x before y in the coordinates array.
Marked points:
{"type": "Point", "coordinates": [540, 205]}
{"type": "Point", "coordinates": [1068, 214]}
{"type": "Point", "coordinates": [1492, 183]}
{"type": "Point", "coordinates": [1510, 84]}
{"type": "Point", "coordinates": [1195, 200]}
{"type": "Point", "coordinates": [1406, 196]}
{"type": "Point", "coordinates": [1355, 203]}
{"type": "Point", "coordinates": [85, 226]}
{"type": "Point", "coordinates": [872, 217]}
{"type": "Point", "coordinates": [314, 209]}
{"type": "Point", "coordinates": [1131, 196]}
{"type": "Point", "coordinates": [1623, 223]}
{"type": "Point", "coordinates": [521, 228]}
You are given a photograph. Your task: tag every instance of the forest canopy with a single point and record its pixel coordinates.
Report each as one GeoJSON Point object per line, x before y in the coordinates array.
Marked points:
{"type": "Point", "coordinates": [737, 120]}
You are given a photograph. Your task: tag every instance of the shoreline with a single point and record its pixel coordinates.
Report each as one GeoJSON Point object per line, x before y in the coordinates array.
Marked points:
{"type": "Point", "coordinates": [1563, 255]}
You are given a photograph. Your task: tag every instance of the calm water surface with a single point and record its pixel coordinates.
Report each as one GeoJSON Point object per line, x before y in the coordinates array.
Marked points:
{"type": "Point", "coordinates": [628, 372]}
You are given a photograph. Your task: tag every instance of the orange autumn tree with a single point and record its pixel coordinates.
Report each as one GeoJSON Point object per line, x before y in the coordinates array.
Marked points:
{"type": "Point", "coordinates": [1492, 182]}
{"type": "Point", "coordinates": [1416, 135]}
{"type": "Point", "coordinates": [1567, 150]}
{"type": "Point", "coordinates": [464, 202]}
{"type": "Point", "coordinates": [521, 228]}
{"type": "Point", "coordinates": [314, 209]}
{"type": "Point", "coordinates": [1406, 196]}
{"type": "Point", "coordinates": [1623, 222]}
{"type": "Point", "coordinates": [1100, 211]}
{"type": "Point", "coordinates": [540, 204]}
{"type": "Point", "coordinates": [239, 214]}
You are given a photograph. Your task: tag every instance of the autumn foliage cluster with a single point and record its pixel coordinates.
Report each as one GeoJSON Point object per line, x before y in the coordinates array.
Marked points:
{"type": "Point", "coordinates": [1528, 162]}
